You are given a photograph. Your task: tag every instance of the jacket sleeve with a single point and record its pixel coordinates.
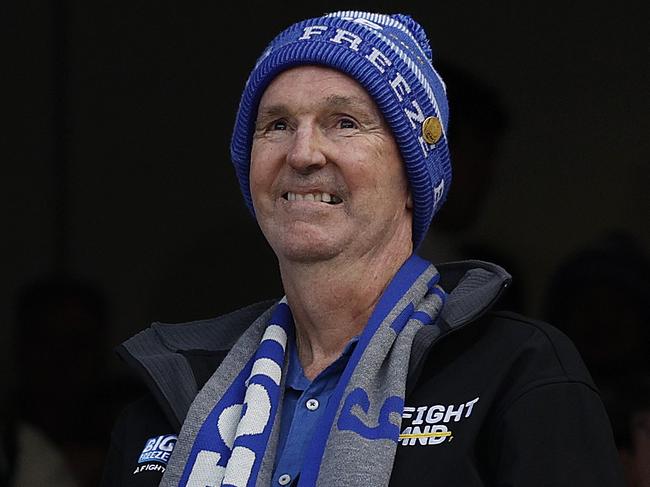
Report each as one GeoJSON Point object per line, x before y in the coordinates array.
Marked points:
{"type": "Point", "coordinates": [139, 423]}
{"type": "Point", "coordinates": [557, 434]}
{"type": "Point", "coordinates": [114, 464]}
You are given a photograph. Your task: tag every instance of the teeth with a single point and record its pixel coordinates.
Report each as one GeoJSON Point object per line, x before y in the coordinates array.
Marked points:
{"type": "Point", "coordinates": [324, 197]}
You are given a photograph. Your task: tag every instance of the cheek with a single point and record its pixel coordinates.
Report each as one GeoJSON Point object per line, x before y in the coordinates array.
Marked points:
{"type": "Point", "coordinates": [393, 180]}
{"type": "Point", "coordinates": [260, 174]}
{"type": "Point", "coordinates": [254, 180]}
{"type": "Point", "coordinates": [258, 189]}
{"type": "Point", "coordinates": [392, 174]}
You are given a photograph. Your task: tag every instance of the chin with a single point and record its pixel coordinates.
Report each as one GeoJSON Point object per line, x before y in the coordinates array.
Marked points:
{"type": "Point", "coordinates": [306, 253]}
{"type": "Point", "coordinates": [303, 242]}
{"type": "Point", "coordinates": [306, 249]}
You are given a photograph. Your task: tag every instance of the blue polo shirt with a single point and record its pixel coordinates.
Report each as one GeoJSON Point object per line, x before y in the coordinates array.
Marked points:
{"type": "Point", "coordinates": [304, 405]}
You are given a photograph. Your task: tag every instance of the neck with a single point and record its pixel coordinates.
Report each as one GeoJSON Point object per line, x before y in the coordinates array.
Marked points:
{"type": "Point", "coordinates": [332, 301]}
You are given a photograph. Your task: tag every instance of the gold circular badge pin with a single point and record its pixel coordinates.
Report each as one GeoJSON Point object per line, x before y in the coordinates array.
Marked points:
{"type": "Point", "coordinates": [431, 130]}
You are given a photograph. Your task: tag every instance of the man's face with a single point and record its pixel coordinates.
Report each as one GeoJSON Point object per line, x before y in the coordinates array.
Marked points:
{"type": "Point", "coordinates": [326, 176]}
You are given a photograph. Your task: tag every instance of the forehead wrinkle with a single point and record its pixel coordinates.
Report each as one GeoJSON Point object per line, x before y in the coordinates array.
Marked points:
{"type": "Point", "coordinates": [344, 101]}
{"type": "Point", "coordinates": [358, 104]}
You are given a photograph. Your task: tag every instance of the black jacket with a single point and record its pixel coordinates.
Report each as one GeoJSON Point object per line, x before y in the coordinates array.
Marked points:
{"type": "Point", "coordinates": [510, 397]}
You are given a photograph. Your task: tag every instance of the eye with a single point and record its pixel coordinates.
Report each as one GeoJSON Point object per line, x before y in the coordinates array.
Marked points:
{"type": "Point", "coordinates": [347, 123]}
{"type": "Point", "coordinates": [279, 125]}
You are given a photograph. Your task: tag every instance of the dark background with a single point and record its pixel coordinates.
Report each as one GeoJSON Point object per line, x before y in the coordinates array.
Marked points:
{"type": "Point", "coordinates": [116, 163]}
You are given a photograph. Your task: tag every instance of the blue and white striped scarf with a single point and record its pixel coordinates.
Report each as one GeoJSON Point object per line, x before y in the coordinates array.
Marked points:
{"type": "Point", "coordinates": [229, 436]}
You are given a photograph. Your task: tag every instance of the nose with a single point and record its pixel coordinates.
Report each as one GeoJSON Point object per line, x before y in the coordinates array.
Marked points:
{"type": "Point", "coordinates": [306, 152]}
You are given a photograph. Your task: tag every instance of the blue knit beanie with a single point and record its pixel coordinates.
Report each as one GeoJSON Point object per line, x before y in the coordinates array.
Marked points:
{"type": "Point", "coordinates": [389, 55]}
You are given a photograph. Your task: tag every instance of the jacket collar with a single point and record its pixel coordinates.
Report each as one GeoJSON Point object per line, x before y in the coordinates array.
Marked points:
{"type": "Point", "coordinates": [473, 287]}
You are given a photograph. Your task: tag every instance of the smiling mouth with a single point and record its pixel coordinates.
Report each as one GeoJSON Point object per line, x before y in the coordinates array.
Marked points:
{"type": "Point", "coordinates": [330, 199]}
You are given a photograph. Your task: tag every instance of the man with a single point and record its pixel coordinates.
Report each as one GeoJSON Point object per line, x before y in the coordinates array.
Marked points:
{"type": "Point", "coordinates": [376, 368]}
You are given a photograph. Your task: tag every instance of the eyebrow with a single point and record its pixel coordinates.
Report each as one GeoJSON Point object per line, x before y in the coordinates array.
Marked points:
{"type": "Point", "coordinates": [367, 113]}
{"type": "Point", "coordinates": [340, 101]}
{"type": "Point", "coordinates": [270, 112]}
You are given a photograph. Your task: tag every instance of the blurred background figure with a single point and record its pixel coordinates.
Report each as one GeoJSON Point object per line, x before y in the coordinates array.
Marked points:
{"type": "Point", "coordinates": [34, 460]}
{"type": "Point", "coordinates": [627, 399]}
{"type": "Point", "coordinates": [600, 297]}
{"type": "Point", "coordinates": [28, 457]}
{"type": "Point", "coordinates": [478, 124]}
{"type": "Point", "coordinates": [65, 397]}
{"type": "Point", "coordinates": [7, 420]}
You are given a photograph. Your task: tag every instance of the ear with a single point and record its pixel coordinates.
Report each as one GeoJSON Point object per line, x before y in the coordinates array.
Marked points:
{"type": "Point", "coordinates": [409, 202]}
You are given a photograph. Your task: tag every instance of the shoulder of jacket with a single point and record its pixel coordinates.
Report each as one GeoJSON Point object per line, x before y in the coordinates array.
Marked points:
{"type": "Point", "coordinates": [173, 360]}
{"type": "Point", "coordinates": [504, 346]}
{"type": "Point", "coordinates": [538, 352]}
{"type": "Point", "coordinates": [211, 334]}
{"type": "Point", "coordinates": [533, 331]}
